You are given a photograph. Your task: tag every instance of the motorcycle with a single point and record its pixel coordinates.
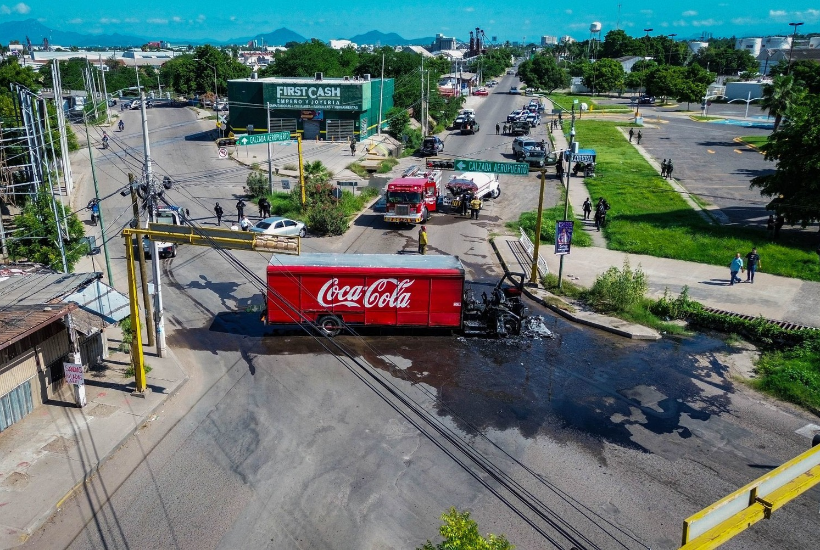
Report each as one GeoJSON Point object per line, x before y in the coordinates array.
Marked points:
{"type": "Point", "coordinates": [105, 143]}
{"type": "Point", "coordinates": [499, 314]}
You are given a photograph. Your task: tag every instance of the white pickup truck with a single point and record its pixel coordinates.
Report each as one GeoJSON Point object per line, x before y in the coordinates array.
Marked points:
{"type": "Point", "coordinates": [171, 215]}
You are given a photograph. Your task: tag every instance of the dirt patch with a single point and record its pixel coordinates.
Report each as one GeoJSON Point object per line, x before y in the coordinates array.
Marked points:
{"type": "Point", "coordinates": [60, 445]}
{"type": "Point", "coordinates": [102, 410]}
{"type": "Point", "coordinates": [16, 481]}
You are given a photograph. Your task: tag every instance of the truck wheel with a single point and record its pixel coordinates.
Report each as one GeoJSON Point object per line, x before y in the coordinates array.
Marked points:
{"type": "Point", "coordinates": [173, 251]}
{"type": "Point", "coordinates": [329, 325]}
{"type": "Point", "coordinates": [497, 193]}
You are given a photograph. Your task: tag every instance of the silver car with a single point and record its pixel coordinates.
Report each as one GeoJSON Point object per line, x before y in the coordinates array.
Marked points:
{"type": "Point", "coordinates": [277, 225]}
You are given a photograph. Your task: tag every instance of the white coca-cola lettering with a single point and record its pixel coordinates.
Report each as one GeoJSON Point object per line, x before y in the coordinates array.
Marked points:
{"type": "Point", "coordinates": [381, 293]}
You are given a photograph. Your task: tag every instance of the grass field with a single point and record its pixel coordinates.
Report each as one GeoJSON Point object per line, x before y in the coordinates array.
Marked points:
{"type": "Point", "coordinates": [649, 217]}
{"type": "Point", "coordinates": [527, 221]}
{"type": "Point", "coordinates": [565, 100]}
{"type": "Point", "coordinates": [757, 141]}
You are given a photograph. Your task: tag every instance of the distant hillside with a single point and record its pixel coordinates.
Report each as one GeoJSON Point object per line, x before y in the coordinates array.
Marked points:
{"type": "Point", "coordinates": [36, 31]}
{"type": "Point", "coordinates": [280, 37]}
{"type": "Point", "coordinates": [389, 39]}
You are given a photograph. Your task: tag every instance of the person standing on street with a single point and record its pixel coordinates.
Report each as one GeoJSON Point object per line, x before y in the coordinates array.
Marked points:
{"type": "Point", "coordinates": [497, 128]}
{"type": "Point", "coordinates": [663, 168]}
{"type": "Point", "coordinates": [423, 239]}
{"type": "Point", "coordinates": [669, 169]}
{"type": "Point", "coordinates": [264, 208]}
{"type": "Point", "coordinates": [752, 264]}
{"type": "Point", "coordinates": [352, 148]}
{"type": "Point", "coordinates": [639, 137]}
{"type": "Point", "coordinates": [735, 266]}
{"type": "Point", "coordinates": [587, 208]}
{"type": "Point", "coordinates": [475, 207]}
{"type": "Point", "coordinates": [631, 134]}
{"type": "Point", "coordinates": [218, 211]}
{"type": "Point", "coordinates": [240, 210]}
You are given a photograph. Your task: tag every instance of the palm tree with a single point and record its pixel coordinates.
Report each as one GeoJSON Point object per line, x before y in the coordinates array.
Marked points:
{"type": "Point", "coordinates": [778, 95]}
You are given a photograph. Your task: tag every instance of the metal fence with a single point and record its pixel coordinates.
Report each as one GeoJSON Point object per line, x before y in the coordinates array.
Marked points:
{"type": "Point", "coordinates": [530, 248]}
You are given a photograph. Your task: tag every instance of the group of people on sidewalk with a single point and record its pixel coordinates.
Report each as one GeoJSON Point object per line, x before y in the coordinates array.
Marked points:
{"type": "Point", "coordinates": [736, 266]}
{"type": "Point", "coordinates": [666, 168]}
{"type": "Point", "coordinates": [600, 211]}
{"type": "Point", "coordinates": [242, 221]}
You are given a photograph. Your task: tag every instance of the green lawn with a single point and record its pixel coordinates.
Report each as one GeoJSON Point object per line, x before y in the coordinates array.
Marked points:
{"type": "Point", "coordinates": [565, 100]}
{"type": "Point", "coordinates": [649, 217]}
{"type": "Point", "coordinates": [528, 220]}
{"type": "Point", "coordinates": [757, 141]}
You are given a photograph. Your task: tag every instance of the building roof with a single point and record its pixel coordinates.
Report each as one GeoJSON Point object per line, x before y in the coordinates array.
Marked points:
{"type": "Point", "coordinates": [41, 288]}
{"type": "Point", "coordinates": [418, 49]}
{"type": "Point", "coordinates": [308, 80]}
{"type": "Point", "coordinates": [19, 321]}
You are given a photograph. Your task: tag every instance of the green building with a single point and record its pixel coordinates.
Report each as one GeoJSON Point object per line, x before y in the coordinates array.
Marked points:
{"type": "Point", "coordinates": [333, 109]}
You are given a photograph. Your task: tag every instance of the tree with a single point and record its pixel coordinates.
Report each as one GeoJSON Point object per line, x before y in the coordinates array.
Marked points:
{"type": "Point", "coordinates": [805, 71]}
{"type": "Point", "coordinates": [38, 236]}
{"type": "Point", "coordinates": [725, 60]}
{"type": "Point", "coordinates": [461, 533]}
{"type": "Point", "coordinates": [778, 95]}
{"type": "Point", "coordinates": [544, 73]}
{"type": "Point", "coordinates": [619, 44]}
{"type": "Point", "coordinates": [664, 81]}
{"type": "Point", "coordinates": [398, 120]}
{"type": "Point", "coordinates": [604, 75]}
{"type": "Point", "coordinates": [795, 185]}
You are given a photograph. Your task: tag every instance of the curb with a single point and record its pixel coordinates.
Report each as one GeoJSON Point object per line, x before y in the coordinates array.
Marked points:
{"type": "Point", "coordinates": [48, 514]}
{"type": "Point", "coordinates": [566, 314]}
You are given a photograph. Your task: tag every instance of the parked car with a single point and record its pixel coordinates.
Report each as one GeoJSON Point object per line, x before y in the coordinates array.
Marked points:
{"type": "Point", "coordinates": [278, 225]}
{"type": "Point", "coordinates": [135, 104]}
{"type": "Point", "coordinates": [149, 103]}
{"type": "Point", "coordinates": [530, 92]}
{"type": "Point", "coordinates": [520, 128]}
{"type": "Point", "coordinates": [533, 119]}
{"type": "Point", "coordinates": [458, 122]}
{"type": "Point", "coordinates": [432, 145]}
{"type": "Point", "coordinates": [481, 91]}
{"type": "Point", "coordinates": [221, 106]}
{"type": "Point", "coordinates": [515, 91]}
{"type": "Point", "coordinates": [646, 99]}
{"type": "Point", "coordinates": [521, 144]}
{"type": "Point", "coordinates": [515, 115]}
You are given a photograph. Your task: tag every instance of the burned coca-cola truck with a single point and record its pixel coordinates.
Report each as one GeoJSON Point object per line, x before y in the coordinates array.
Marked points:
{"type": "Point", "coordinates": [331, 292]}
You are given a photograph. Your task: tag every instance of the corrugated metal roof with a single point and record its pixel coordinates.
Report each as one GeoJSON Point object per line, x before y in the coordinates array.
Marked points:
{"type": "Point", "coordinates": [41, 288]}
{"type": "Point", "coordinates": [102, 300]}
{"type": "Point", "coordinates": [18, 321]}
{"type": "Point", "coordinates": [411, 261]}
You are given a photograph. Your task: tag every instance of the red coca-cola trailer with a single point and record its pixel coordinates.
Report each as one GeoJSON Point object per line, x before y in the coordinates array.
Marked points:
{"type": "Point", "coordinates": [330, 291]}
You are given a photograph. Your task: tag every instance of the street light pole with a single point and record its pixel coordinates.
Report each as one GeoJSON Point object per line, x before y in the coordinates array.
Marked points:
{"type": "Point", "coordinates": [791, 48]}
{"type": "Point", "coordinates": [646, 53]}
{"type": "Point", "coordinates": [672, 36]}
{"type": "Point", "coordinates": [566, 201]}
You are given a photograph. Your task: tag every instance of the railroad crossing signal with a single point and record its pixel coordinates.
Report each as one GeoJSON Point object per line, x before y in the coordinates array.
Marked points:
{"type": "Point", "coordinates": [493, 167]}
{"type": "Point", "coordinates": [263, 138]}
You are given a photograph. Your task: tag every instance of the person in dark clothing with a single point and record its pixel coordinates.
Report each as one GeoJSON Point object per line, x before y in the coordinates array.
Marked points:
{"type": "Point", "coordinates": [218, 211]}
{"type": "Point", "coordinates": [497, 129]}
{"type": "Point", "coordinates": [465, 202]}
{"type": "Point", "coordinates": [587, 208]}
{"type": "Point", "coordinates": [669, 169]}
{"type": "Point", "coordinates": [770, 226]}
{"type": "Point", "coordinates": [240, 210]}
{"type": "Point", "coordinates": [352, 148]}
{"type": "Point", "coordinates": [631, 134]}
{"type": "Point", "coordinates": [639, 137]}
{"type": "Point", "coordinates": [264, 207]}
{"type": "Point", "coordinates": [559, 169]}
{"type": "Point", "coordinates": [663, 168]}
{"type": "Point", "coordinates": [778, 224]}
{"type": "Point", "coordinates": [752, 264]}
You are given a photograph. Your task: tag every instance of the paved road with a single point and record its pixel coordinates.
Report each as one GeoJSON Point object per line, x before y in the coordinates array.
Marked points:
{"type": "Point", "coordinates": [276, 443]}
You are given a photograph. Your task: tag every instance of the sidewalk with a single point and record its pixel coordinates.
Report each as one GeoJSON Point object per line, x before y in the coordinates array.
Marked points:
{"type": "Point", "coordinates": [50, 453]}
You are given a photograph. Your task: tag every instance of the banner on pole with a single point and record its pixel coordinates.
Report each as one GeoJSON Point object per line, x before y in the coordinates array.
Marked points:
{"type": "Point", "coordinates": [563, 236]}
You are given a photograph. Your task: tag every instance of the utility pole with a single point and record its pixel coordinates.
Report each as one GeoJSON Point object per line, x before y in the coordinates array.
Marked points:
{"type": "Point", "coordinates": [105, 92]}
{"type": "Point", "coordinates": [423, 120]}
{"type": "Point", "coordinates": [566, 202]}
{"type": "Point", "coordinates": [381, 98]}
{"type": "Point", "coordinates": [58, 99]}
{"type": "Point", "coordinates": [537, 243]}
{"type": "Point", "coordinates": [159, 322]}
{"type": "Point", "coordinates": [146, 297]}
{"type": "Point", "coordinates": [97, 198]}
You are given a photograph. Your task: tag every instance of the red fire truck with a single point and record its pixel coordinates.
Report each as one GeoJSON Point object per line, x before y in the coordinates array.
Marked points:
{"type": "Point", "coordinates": [329, 292]}
{"type": "Point", "coordinates": [411, 198]}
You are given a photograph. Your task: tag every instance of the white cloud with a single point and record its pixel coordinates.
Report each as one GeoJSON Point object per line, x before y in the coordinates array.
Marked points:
{"type": "Point", "coordinates": [568, 12]}
{"type": "Point", "coordinates": [778, 13]}
{"type": "Point", "coordinates": [744, 21]}
{"type": "Point", "coordinates": [680, 23]}
{"type": "Point", "coordinates": [200, 18]}
{"type": "Point", "coordinates": [5, 10]}
{"type": "Point", "coordinates": [810, 15]}
{"type": "Point", "coordinates": [75, 21]}
{"type": "Point", "coordinates": [21, 8]}
{"type": "Point", "coordinates": [706, 23]}
{"type": "Point", "coordinates": [469, 9]}
{"type": "Point", "coordinates": [232, 18]}
{"type": "Point", "coordinates": [664, 24]}
{"type": "Point", "coordinates": [109, 21]}
{"type": "Point", "coordinates": [176, 19]}
{"type": "Point", "coordinates": [131, 20]}
{"type": "Point", "coordinates": [157, 21]}
{"type": "Point", "coordinates": [647, 12]}
{"type": "Point", "coordinates": [689, 13]}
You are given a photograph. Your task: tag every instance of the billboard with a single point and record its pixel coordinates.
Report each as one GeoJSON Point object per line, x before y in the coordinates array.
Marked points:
{"type": "Point", "coordinates": [563, 236]}
{"type": "Point", "coordinates": [315, 97]}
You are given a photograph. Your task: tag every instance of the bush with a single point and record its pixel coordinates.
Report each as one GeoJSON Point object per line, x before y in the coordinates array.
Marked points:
{"type": "Point", "coordinates": [257, 183]}
{"type": "Point", "coordinates": [618, 289]}
{"type": "Point", "coordinates": [527, 221]}
{"type": "Point", "coordinates": [327, 219]}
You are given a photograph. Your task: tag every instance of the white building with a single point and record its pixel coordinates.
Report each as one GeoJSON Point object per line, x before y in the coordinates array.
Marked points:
{"type": "Point", "coordinates": [696, 46]}
{"type": "Point", "coordinates": [549, 40]}
{"type": "Point", "coordinates": [777, 42]}
{"type": "Point", "coordinates": [752, 45]}
{"type": "Point", "coordinates": [342, 44]}
{"type": "Point", "coordinates": [566, 39]}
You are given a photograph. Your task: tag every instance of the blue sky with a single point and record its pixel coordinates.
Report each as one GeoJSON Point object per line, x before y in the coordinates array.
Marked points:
{"type": "Point", "coordinates": [326, 19]}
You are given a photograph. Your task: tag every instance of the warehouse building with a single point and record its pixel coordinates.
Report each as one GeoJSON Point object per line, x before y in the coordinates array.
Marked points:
{"type": "Point", "coordinates": [334, 109]}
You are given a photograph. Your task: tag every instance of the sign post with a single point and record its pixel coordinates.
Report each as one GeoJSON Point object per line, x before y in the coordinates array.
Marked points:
{"type": "Point", "coordinates": [492, 167]}
{"type": "Point", "coordinates": [563, 236]}
{"type": "Point", "coordinates": [257, 139]}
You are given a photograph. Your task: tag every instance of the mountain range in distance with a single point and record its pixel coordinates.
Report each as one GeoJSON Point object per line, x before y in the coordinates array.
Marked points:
{"type": "Point", "coordinates": [36, 31]}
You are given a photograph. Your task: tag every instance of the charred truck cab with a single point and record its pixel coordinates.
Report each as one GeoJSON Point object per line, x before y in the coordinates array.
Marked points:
{"type": "Point", "coordinates": [410, 199]}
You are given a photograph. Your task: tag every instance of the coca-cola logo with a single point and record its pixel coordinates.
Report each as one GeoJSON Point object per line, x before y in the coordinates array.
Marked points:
{"type": "Point", "coordinates": [380, 293]}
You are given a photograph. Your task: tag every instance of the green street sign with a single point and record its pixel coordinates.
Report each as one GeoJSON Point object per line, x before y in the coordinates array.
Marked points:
{"type": "Point", "coordinates": [256, 139]}
{"type": "Point", "coordinates": [492, 167]}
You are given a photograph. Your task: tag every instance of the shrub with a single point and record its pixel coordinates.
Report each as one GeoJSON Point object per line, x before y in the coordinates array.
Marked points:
{"type": "Point", "coordinates": [327, 219]}
{"type": "Point", "coordinates": [257, 183]}
{"type": "Point", "coordinates": [618, 289]}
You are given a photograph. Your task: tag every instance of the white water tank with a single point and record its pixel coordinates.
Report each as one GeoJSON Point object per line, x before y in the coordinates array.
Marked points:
{"type": "Point", "coordinates": [697, 46]}
{"type": "Point", "coordinates": [751, 45]}
{"type": "Point", "coordinates": [595, 27]}
{"type": "Point", "coordinates": [777, 42]}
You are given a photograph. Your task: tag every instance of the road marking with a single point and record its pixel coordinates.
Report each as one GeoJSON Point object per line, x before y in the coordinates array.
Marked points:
{"type": "Point", "coordinates": [808, 430]}
{"type": "Point", "coordinates": [710, 151]}
{"type": "Point", "coordinates": [738, 151]}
